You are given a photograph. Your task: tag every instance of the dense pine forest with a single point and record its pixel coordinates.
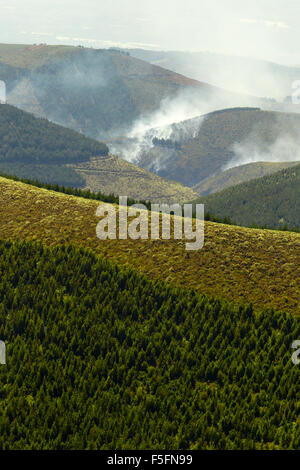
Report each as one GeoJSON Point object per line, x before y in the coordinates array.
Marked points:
{"type": "Point", "coordinates": [100, 357]}
{"type": "Point", "coordinates": [27, 139]}
{"type": "Point", "coordinates": [45, 174]}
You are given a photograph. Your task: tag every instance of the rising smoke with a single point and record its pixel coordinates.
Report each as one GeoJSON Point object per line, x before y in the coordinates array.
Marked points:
{"type": "Point", "coordinates": [238, 74]}
{"type": "Point", "coordinates": [2, 92]}
{"type": "Point", "coordinates": [278, 143]}
{"type": "Point", "coordinates": [178, 119]}
{"type": "Point", "coordinates": [284, 149]}
{"type": "Point", "coordinates": [84, 92]}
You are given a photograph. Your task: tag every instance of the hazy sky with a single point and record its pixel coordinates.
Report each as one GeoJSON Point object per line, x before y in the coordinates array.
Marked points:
{"type": "Point", "coordinates": [265, 29]}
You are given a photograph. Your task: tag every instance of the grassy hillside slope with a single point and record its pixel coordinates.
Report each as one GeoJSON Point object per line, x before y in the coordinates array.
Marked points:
{"type": "Point", "coordinates": [237, 264]}
{"type": "Point", "coordinates": [113, 175]}
{"type": "Point", "coordinates": [26, 56]}
{"type": "Point", "coordinates": [239, 174]}
{"type": "Point", "coordinates": [272, 201]}
{"type": "Point", "coordinates": [100, 357]}
{"type": "Point", "coordinates": [208, 151]}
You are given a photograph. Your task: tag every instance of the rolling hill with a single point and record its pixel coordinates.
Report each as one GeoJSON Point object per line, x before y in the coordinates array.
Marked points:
{"type": "Point", "coordinates": [27, 139]}
{"type": "Point", "coordinates": [237, 264]}
{"type": "Point", "coordinates": [113, 175]}
{"type": "Point", "coordinates": [237, 175]}
{"type": "Point", "coordinates": [24, 56]}
{"type": "Point", "coordinates": [97, 92]}
{"type": "Point", "coordinates": [35, 148]}
{"type": "Point", "coordinates": [196, 149]}
{"type": "Point", "coordinates": [272, 201]}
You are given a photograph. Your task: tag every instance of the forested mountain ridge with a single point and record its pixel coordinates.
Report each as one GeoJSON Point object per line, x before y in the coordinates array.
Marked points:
{"type": "Point", "coordinates": [265, 263]}
{"type": "Point", "coordinates": [25, 138]}
{"type": "Point", "coordinates": [36, 148]}
{"type": "Point", "coordinates": [271, 201]}
{"type": "Point", "coordinates": [95, 352]}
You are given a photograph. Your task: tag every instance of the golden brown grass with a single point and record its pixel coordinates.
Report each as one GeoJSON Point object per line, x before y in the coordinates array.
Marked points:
{"type": "Point", "coordinates": [28, 55]}
{"type": "Point", "coordinates": [238, 264]}
{"type": "Point", "coordinates": [114, 175]}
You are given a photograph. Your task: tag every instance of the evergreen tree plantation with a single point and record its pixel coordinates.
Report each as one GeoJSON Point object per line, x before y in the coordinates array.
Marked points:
{"type": "Point", "coordinates": [100, 357]}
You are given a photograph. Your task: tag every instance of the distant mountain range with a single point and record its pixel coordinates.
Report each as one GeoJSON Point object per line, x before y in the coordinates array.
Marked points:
{"type": "Point", "coordinates": [242, 74]}
{"type": "Point", "coordinates": [97, 92]}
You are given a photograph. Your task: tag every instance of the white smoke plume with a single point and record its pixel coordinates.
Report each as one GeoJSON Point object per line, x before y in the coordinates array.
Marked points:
{"type": "Point", "coordinates": [179, 119]}
{"type": "Point", "coordinates": [165, 123]}
{"type": "Point", "coordinates": [284, 149]}
{"type": "Point", "coordinates": [282, 144]}
{"type": "Point", "coordinates": [2, 92]}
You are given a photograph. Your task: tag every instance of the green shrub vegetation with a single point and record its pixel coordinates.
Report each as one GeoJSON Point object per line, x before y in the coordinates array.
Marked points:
{"type": "Point", "coordinates": [84, 193]}
{"type": "Point", "coordinates": [100, 357]}
{"type": "Point", "coordinates": [88, 194]}
{"type": "Point", "coordinates": [99, 196]}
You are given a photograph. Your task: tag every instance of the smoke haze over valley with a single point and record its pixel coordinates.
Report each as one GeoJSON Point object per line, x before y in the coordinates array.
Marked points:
{"type": "Point", "coordinates": [149, 115]}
